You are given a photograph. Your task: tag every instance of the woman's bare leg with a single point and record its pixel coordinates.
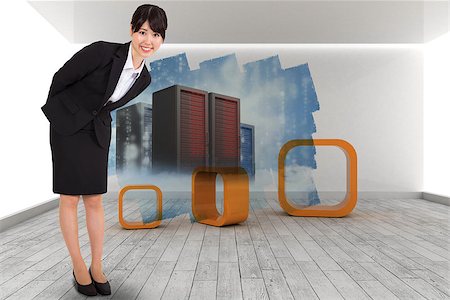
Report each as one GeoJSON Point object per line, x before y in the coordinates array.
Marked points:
{"type": "Point", "coordinates": [68, 220]}
{"type": "Point", "coordinates": [96, 229]}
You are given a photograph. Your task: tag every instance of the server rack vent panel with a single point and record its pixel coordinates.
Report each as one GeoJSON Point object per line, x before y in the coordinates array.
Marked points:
{"type": "Point", "coordinates": [224, 130]}
{"type": "Point", "coordinates": [193, 130]}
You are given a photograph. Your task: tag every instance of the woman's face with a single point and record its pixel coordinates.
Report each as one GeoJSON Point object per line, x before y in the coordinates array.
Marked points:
{"type": "Point", "coordinates": [145, 42]}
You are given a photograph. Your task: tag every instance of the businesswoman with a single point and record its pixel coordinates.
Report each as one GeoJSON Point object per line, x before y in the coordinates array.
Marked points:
{"type": "Point", "coordinates": [99, 78]}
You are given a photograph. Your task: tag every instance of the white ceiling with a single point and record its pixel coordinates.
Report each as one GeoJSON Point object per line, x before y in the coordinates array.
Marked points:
{"type": "Point", "coordinates": [303, 22]}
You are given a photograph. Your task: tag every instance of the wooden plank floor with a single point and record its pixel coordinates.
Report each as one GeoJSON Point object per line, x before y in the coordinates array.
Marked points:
{"type": "Point", "coordinates": [386, 249]}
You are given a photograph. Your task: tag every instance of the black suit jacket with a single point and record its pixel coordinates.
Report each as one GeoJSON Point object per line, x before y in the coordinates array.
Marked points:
{"type": "Point", "coordinates": [82, 86]}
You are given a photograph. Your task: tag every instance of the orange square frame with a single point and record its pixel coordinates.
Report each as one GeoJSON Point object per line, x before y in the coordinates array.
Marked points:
{"type": "Point", "coordinates": [338, 210]}
{"type": "Point", "coordinates": [235, 200]}
{"type": "Point", "coordinates": [140, 225]}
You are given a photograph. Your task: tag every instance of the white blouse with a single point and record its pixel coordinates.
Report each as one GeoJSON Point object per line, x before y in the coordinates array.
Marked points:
{"type": "Point", "coordinates": [127, 78]}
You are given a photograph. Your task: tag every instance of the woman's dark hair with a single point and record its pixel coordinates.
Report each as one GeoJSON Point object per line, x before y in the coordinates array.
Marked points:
{"type": "Point", "coordinates": [155, 16]}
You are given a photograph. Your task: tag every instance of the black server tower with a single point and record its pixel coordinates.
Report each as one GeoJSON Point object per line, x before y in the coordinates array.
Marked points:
{"type": "Point", "coordinates": [180, 129]}
{"type": "Point", "coordinates": [224, 130]}
{"type": "Point", "coordinates": [134, 138]}
{"type": "Point", "coordinates": [248, 149]}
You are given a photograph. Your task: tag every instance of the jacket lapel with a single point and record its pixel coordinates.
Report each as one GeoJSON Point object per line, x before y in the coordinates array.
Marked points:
{"type": "Point", "coordinates": [119, 59]}
{"type": "Point", "coordinates": [139, 85]}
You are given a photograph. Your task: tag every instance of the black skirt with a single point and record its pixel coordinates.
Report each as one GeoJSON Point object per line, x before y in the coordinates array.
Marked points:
{"type": "Point", "coordinates": [80, 165]}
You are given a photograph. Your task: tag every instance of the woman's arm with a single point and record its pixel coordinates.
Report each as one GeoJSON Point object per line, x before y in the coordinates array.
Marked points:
{"type": "Point", "coordinates": [81, 64]}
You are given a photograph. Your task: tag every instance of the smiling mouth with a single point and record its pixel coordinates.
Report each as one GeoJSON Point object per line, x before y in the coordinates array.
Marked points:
{"type": "Point", "coordinates": [146, 49]}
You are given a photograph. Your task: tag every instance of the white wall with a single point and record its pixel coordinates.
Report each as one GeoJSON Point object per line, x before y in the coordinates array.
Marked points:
{"type": "Point", "coordinates": [369, 96]}
{"type": "Point", "coordinates": [436, 120]}
{"type": "Point", "coordinates": [31, 52]}
{"type": "Point", "coordinates": [372, 97]}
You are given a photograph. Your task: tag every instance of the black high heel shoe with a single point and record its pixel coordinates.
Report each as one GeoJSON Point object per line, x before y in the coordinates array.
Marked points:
{"type": "Point", "coordinates": [102, 288]}
{"type": "Point", "coordinates": [86, 289]}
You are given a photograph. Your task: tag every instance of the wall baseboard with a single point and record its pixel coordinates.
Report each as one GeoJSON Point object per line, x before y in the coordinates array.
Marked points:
{"type": "Point", "coordinates": [436, 198]}
{"type": "Point", "coordinates": [28, 213]}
